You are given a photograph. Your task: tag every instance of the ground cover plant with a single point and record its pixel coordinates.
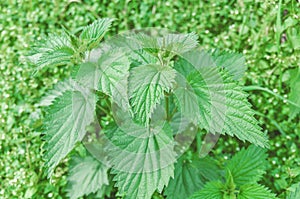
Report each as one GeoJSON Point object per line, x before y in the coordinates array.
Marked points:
{"type": "Point", "coordinates": [271, 80]}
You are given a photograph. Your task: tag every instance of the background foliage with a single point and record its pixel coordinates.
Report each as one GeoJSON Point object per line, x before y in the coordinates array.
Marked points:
{"type": "Point", "coordinates": [267, 32]}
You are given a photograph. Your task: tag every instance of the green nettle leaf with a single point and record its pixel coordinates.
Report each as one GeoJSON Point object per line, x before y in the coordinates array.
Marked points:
{"type": "Point", "coordinates": [54, 50]}
{"type": "Point", "coordinates": [294, 191]}
{"type": "Point", "coordinates": [248, 165]}
{"type": "Point", "coordinates": [87, 74]}
{"type": "Point", "coordinates": [190, 176]}
{"type": "Point", "coordinates": [93, 33]}
{"type": "Point", "coordinates": [242, 173]}
{"type": "Point", "coordinates": [233, 62]}
{"type": "Point", "coordinates": [255, 191]}
{"type": "Point", "coordinates": [147, 85]}
{"type": "Point", "coordinates": [113, 79]}
{"type": "Point", "coordinates": [294, 96]}
{"type": "Point", "coordinates": [143, 159]}
{"type": "Point", "coordinates": [65, 124]}
{"type": "Point", "coordinates": [187, 101]}
{"type": "Point", "coordinates": [58, 90]}
{"type": "Point", "coordinates": [169, 44]}
{"type": "Point", "coordinates": [178, 43]}
{"type": "Point", "coordinates": [212, 190]}
{"type": "Point", "coordinates": [223, 105]}
{"type": "Point", "coordinates": [87, 175]}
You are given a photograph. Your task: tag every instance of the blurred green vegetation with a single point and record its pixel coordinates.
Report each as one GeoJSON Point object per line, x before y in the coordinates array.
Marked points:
{"type": "Point", "coordinates": [267, 32]}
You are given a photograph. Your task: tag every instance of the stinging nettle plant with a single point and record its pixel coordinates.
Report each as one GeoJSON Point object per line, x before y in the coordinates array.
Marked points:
{"type": "Point", "coordinates": [132, 107]}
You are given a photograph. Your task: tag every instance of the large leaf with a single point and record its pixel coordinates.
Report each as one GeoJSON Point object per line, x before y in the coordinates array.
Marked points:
{"type": "Point", "coordinates": [212, 190]}
{"type": "Point", "coordinates": [142, 158]}
{"type": "Point", "coordinates": [58, 90]}
{"type": "Point", "coordinates": [255, 191]}
{"type": "Point", "coordinates": [87, 175]}
{"type": "Point", "coordinates": [147, 85]}
{"type": "Point", "coordinates": [223, 106]}
{"type": "Point", "coordinates": [248, 165]}
{"type": "Point", "coordinates": [190, 176]}
{"type": "Point", "coordinates": [65, 123]}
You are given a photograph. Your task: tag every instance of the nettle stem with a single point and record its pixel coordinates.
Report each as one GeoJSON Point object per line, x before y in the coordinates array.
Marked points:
{"type": "Point", "coordinates": [167, 107]}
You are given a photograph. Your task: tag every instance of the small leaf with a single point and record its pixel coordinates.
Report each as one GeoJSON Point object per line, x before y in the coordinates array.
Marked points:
{"type": "Point", "coordinates": [53, 51]}
{"type": "Point", "coordinates": [114, 72]}
{"type": "Point", "coordinates": [255, 191]}
{"type": "Point", "coordinates": [248, 165]}
{"type": "Point", "coordinates": [93, 33]}
{"type": "Point", "coordinates": [178, 43]}
{"type": "Point", "coordinates": [170, 43]}
{"type": "Point", "coordinates": [87, 175]}
{"type": "Point", "coordinates": [212, 190]}
{"type": "Point", "coordinates": [58, 57]}
{"type": "Point", "coordinates": [147, 86]}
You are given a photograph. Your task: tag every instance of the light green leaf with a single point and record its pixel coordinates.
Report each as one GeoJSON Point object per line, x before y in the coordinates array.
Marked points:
{"type": "Point", "coordinates": [114, 72]}
{"type": "Point", "coordinates": [255, 191]}
{"type": "Point", "coordinates": [233, 62]}
{"type": "Point", "coordinates": [169, 44]}
{"type": "Point", "coordinates": [58, 90]}
{"type": "Point", "coordinates": [294, 191]}
{"type": "Point", "coordinates": [53, 51]}
{"type": "Point", "coordinates": [87, 74]}
{"type": "Point", "coordinates": [147, 85]}
{"type": "Point", "coordinates": [186, 100]}
{"type": "Point", "coordinates": [143, 159]}
{"type": "Point", "coordinates": [93, 33]}
{"type": "Point", "coordinates": [87, 175]}
{"type": "Point", "coordinates": [65, 123]}
{"type": "Point", "coordinates": [178, 43]}
{"type": "Point", "coordinates": [248, 165]}
{"type": "Point", "coordinates": [108, 74]}
{"type": "Point", "coordinates": [58, 57]}
{"type": "Point", "coordinates": [212, 190]}
{"type": "Point", "coordinates": [190, 176]}
{"type": "Point", "coordinates": [223, 105]}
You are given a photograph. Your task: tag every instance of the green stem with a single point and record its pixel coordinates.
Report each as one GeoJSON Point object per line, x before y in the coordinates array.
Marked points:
{"type": "Point", "coordinates": [167, 107]}
{"type": "Point", "coordinates": [198, 142]}
{"type": "Point", "coordinates": [259, 88]}
{"type": "Point", "coordinates": [272, 121]}
{"type": "Point", "coordinates": [102, 109]}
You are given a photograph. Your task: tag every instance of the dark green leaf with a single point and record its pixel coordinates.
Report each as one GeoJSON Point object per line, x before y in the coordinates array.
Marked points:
{"type": "Point", "coordinates": [248, 165]}
{"type": "Point", "coordinates": [190, 176]}
{"type": "Point", "coordinates": [255, 191]}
